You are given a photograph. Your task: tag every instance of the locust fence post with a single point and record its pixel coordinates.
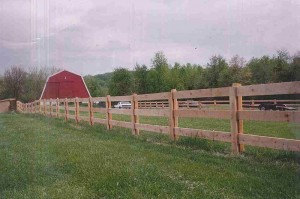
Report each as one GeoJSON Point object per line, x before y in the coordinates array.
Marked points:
{"type": "Point", "coordinates": [40, 107]}
{"type": "Point", "coordinates": [44, 106]}
{"type": "Point", "coordinates": [91, 111]}
{"type": "Point", "coordinates": [236, 105]}
{"type": "Point", "coordinates": [241, 147]}
{"type": "Point", "coordinates": [57, 107]}
{"type": "Point", "coordinates": [36, 106]}
{"type": "Point", "coordinates": [50, 104]}
{"type": "Point", "coordinates": [173, 120]}
{"type": "Point", "coordinates": [134, 117]}
{"type": "Point", "coordinates": [108, 115]}
{"type": "Point", "coordinates": [66, 109]}
{"type": "Point", "coordinates": [76, 110]}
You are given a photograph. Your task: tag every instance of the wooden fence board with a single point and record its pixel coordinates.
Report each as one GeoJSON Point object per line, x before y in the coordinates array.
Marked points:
{"type": "Point", "coordinates": [153, 96]}
{"type": "Point", "coordinates": [120, 111]}
{"type": "Point", "coordinates": [100, 110]}
{"type": "Point", "coordinates": [72, 108]}
{"type": "Point", "coordinates": [153, 128]}
{"type": "Point", "coordinates": [270, 142]}
{"type": "Point", "coordinates": [212, 92]}
{"type": "Point", "coordinates": [152, 112]}
{"type": "Point", "coordinates": [86, 109]}
{"type": "Point", "coordinates": [284, 116]}
{"type": "Point", "coordinates": [219, 114]}
{"type": "Point", "coordinates": [73, 117]}
{"type": "Point", "coordinates": [121, 123]}
{"type": "Point", "coordinates": [97, 99]}
{"type": "Point", "coordinates": [270, 89]}
{"type": "Point", "coordinates": [206, 134]}
{"type": "Point", "coordinates": [120, 98]}
{"type": "Point", "coordinates": [85, 118]}
{"type": "Point", "coordinates": [84, 100]}
{"type": "Point", "coordinates": [100, 121]}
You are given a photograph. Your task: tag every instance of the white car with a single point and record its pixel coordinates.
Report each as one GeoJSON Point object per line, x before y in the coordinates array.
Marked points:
{"type": "Point", "coordinates": [123, 105]}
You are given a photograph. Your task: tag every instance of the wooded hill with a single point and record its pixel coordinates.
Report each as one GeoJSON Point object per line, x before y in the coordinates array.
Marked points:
{"type": "Point", "coordinates": [161, 76]}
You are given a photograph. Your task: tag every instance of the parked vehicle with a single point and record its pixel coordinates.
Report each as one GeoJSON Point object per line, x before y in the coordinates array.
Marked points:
{"type": "Point", "coordinates": [123, 105]}
{"type": "Point", "coordinates": [274, 107]}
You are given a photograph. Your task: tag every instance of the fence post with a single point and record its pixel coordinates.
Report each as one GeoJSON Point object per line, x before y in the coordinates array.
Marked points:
{"type": "Point", "coordinates": [35, 106]}
{"type": "Point", "coordinates": [66, 109]}
{"type": "Point", "coordinates": [91, 111]}
{"type": "Point", "coordinates": [57, 107]}
{"type": "Point", "coordinates": [76, 110]}
{"type": "Point", "coordinates": [236, 104]}
{"type": "Point", "coordinates": [173, 120]}
{"type": "Point", "coordinates": [40, 107]}
{"type": "Point", "coordinates": [44, 106]}
{"type": "Point", "coordinates": [108, 115]}
{"type": "Point", "coordinates": [134, 118]}
{"type": "Point", "coordinates": [240, 122]}
{"type": "Point", "coordinates": [50, 104]}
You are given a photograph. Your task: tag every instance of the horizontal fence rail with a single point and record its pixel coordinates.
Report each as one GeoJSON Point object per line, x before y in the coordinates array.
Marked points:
{"type": "Point", "coordinates": [181, 104]}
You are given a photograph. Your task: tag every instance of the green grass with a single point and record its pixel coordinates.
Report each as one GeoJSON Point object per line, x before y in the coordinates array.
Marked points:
{"type": "Point", "coordinates": [48, 158]}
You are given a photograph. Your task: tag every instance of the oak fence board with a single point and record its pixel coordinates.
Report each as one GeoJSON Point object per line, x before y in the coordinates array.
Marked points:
{"type": "Point", "coordinates": [219, 114]}
{"type": "Point", "coordinates": [282, 116]}
{"type": "Point", "coordinates": [152, 112]}
{"type": "Point", "coordinates": [120, 98]}
{"type": "Point", "coordinates": [120, 111]}
{"type": "Point", "coordinates": [100, 121]}
{"type": "Point", "coordinates": [211, 92]}
{"type": "Point", "coordinates": [270, 89]}
{"type": "Point", "coordinates": [121, 123]}
{"type": "Point", "coordinates": [97, 99]}
{"type": "Point", "coordinates": [153, 128]}
{"type": "Point", "coordinates": [153, 96]}
{"type": "Point", "coordinates": [270, 142]}
{"type": "Point", "coordinates": [206, 134]}
{"type": "Point", "coordinates": [99, 110]}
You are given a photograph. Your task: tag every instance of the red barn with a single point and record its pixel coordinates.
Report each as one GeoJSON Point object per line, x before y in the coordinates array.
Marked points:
{"type": "Point", "coordinates": [65, 84]}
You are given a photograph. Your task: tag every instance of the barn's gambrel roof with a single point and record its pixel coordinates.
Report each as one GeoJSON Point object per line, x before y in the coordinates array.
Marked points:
{"type": "Point", "coordinates": [69, 73]}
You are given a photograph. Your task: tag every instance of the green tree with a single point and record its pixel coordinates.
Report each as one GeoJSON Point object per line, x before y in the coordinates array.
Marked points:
{"type": "Point", "coordinates": [160, 81]}
{"type": "Point", "coordinates": [261, 70]}
{"type": "Point", "coordinates": [294, 69]}
{"type": "Point", "coordinates": [35, 81]}
{"type": "Point", "coordinates": [14, 81]}
{"type": "Point", "coordinates": [175, 78]}
{"type": "Point", "coordinates": [2, 88]}
{"type": "Point", "coordinates": [217, 74]}
{"type": "Point", "coordinates": [280, 72]}
{"type": "Point", "coordinates": [93, 86]}
{"type": "Point", "coordinates": [238, 71]}
{"type": "Point", "coordinates": [140, 79]}
{"type": "Point", "coordinates": [121, 82]}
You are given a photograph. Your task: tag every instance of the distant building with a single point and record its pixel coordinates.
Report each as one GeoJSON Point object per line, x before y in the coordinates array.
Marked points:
{"type": "Point", "coordinates": [65, 84]}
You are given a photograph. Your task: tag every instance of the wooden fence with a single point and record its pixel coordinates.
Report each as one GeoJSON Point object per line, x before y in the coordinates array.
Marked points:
{"type": "Point", "coordinates": [7, 105]}
{"type": "Point", "coordinates": [167, 105]}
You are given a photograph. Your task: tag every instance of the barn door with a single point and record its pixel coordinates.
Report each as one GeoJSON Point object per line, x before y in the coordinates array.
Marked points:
{"type": "Point", "coordinates": [65, 89]}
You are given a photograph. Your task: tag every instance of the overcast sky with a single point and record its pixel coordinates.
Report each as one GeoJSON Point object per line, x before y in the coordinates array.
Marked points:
{"type": "Point", "coordinates": [93, 36]}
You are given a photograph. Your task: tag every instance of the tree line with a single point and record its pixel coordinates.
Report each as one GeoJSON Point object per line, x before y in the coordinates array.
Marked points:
{"type": "Point", "coordinates": [162, 77]}
{"type": "Point", "coordinates": [24, 85]}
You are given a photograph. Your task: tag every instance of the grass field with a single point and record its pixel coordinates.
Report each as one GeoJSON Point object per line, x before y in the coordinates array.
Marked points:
{"type": "Point", "coordinates": [48, 158]}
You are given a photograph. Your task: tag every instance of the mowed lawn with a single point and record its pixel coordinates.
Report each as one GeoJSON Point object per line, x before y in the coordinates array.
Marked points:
{"type": "Point", "coordinates": [44, 157]}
